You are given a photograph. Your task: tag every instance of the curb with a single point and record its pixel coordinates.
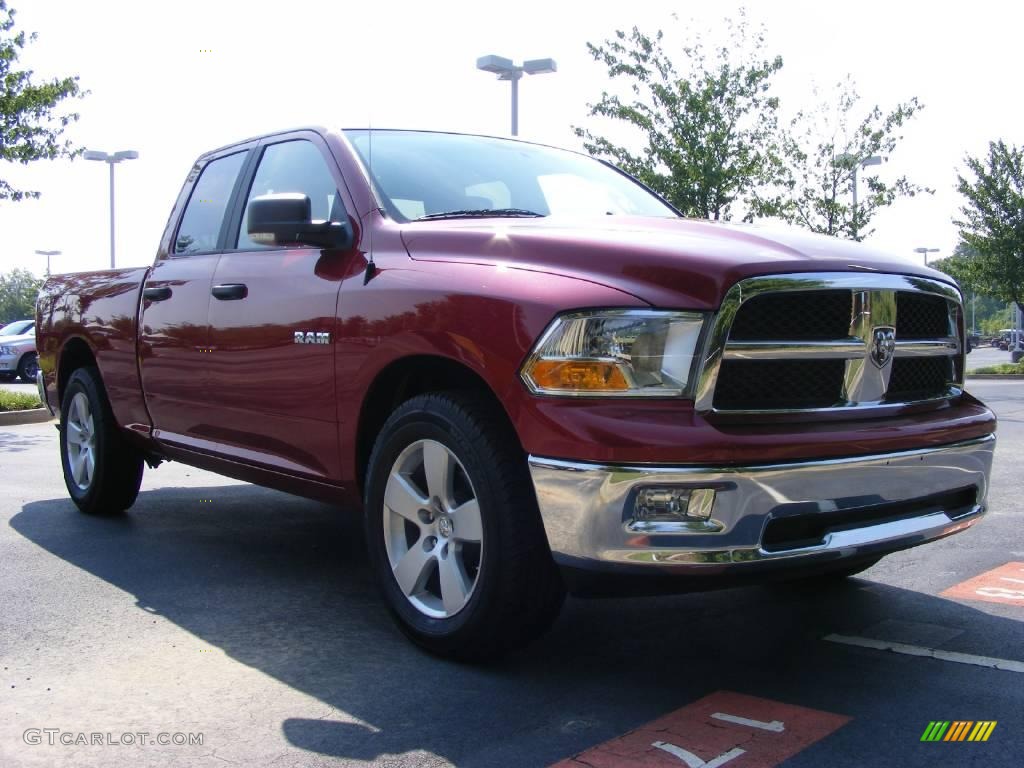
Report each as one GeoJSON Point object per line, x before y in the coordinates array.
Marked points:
{"type": "Point", "coordinates": [30, 416]}
{"type": "Point", "coordinates": [1011, 376]}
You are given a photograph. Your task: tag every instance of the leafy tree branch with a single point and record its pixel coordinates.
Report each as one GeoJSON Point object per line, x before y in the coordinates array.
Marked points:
{"type": "Point", "coordinates": [31, 125]}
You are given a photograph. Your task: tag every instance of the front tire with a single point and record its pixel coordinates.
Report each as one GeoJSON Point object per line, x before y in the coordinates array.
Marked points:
{"type": "Point", "coordinates": [102, 471]}
{"type": "Point", "coordinates": [453, 530]}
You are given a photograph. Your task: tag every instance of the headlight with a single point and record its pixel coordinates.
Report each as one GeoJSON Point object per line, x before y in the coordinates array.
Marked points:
{"type": "Point", "coordinates": [624, 352]}
{"type": "Point", "coordinates": [6, 350]}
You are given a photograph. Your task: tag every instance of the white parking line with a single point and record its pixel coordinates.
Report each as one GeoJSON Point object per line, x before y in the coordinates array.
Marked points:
{"type": "Point", "coordinates": [692, 761]}
{"type": "Point", "coordinates": [1007, 665]}
{"type": "Point", "coordinates": [777, 726]}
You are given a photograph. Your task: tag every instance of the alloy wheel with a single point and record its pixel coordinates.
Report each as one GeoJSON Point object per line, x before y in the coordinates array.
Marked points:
{"type": "Point", "coordinates": [81, 441]}
{"type": "Point", "coordinates": [433, 531]}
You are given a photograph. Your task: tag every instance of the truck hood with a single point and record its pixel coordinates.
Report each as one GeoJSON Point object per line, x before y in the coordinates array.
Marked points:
{"type": "Point", "coordinates": [680, 263]}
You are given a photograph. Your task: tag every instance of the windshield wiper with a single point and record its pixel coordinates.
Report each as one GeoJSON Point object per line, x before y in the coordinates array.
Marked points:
{"type": "Point", "coordinates": [470, 213]}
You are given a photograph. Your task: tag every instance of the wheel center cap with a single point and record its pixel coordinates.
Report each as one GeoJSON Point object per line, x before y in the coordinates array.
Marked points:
{"type": "Point", "coordinates": [445, 526]}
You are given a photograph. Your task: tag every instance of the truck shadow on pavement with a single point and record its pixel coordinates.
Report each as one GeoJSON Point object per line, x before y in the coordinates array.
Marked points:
{"type": "Point", "coordinates": [282, 585]}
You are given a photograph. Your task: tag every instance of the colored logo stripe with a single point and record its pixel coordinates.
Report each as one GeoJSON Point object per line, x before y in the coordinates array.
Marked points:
{"type": "Point", "coordinates": [982, 730]}
{"type": "Point", "coordinates": [958, 730]}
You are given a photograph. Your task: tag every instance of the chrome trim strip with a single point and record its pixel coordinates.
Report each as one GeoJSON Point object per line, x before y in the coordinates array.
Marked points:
{"type": "Point", "coordinates": [699, 469]}
{"type": "Point", "coordinates": [928, 347]}
{"type": "Point", "coordinates": [717, 348]}
{"type": "Point", "coordinates": [583, 505]}
{"type": "Point", "coordinates": [838, 349]}
{"type": "Point", "coordinates": [835, 349]}
{"type": "Point", "coordinates": [896, 534]}
{"type": "Point", "coordinates": [864, 380]}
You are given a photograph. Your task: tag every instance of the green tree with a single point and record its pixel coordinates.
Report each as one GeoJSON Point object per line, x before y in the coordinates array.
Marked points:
{"type": "Point", "coordinates": [18, 291]}
{"type": "Point", "coordinates": [707, 131]}
{"type": "Point", "coordinates": [959, 266]}
{"type": "Point", "coordinates": [823, 149]}
{"type": "Point", "coordinates": [992, 223]}
{"type": "Point", "coordinates": [987, 312]}
{"type": "Point", "coordinates": [31, 126]}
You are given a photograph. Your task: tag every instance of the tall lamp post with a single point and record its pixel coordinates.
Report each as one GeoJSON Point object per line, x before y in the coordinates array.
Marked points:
{"type": "Point", "coordinates": [924, 252]}
{"type": "Point", "coordinates": [112, 160]}
{"type": "Point", "coordinates": [854, 162]}
{"type": "Point", "coordinates": [506, 70]}
{"type": "Point", "coordinates": [48, 254]}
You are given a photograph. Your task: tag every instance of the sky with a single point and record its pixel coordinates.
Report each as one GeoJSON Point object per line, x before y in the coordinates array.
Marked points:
{"type": "Point", "coordinates": [172, 80]}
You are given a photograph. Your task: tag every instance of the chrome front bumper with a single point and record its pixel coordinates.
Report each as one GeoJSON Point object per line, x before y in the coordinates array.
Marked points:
{"type": "Point", "coordinates": [587, 512]}
{"type": "Point", "coordinates": [41, 389]}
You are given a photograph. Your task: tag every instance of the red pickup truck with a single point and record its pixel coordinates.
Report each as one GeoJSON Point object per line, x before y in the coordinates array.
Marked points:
{"type": "Point", "coordinates": [528, 371]}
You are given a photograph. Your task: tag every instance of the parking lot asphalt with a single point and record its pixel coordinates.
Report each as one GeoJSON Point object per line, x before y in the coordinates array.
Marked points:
{"type": "Point", "coordinates": [249, 617]}
{"type": "Point", "coordinates": [983, 356]}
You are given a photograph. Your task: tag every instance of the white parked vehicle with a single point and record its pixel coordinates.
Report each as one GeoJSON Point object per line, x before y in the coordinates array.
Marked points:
{"type": "Point", "coordinates": [18, 350]}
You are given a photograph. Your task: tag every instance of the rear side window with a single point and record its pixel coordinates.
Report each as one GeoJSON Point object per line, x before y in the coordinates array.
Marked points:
{"type": "Point", "coordinates": [293, 166]}
{"type": "Point", "coordinates": [204, 214]}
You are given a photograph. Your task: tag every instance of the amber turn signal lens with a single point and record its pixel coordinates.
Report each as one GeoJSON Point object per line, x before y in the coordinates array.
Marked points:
{"type": "Point", "coordinates": [578, 375]}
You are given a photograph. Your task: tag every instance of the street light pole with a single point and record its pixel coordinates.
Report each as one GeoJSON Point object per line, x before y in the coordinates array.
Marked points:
{"type": "Point", "coordinates": [505, 69]}
{"type": "Point", "coordinates": [48, 254]}
{"type": "Point", "coordinates": [111, 159]}
{"type": "Point", "coordinates": [924, 252]}
{"type": "Point", "coordinates": [854, 162]}
{"type": "Point", "coordinates": [112, 239]}
{"type": "Point", "coordinates": [515, 78]}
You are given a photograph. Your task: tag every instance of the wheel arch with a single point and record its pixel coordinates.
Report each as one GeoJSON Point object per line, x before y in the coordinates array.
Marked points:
{"type": "Point", "coordinates": [403, 379]}
{"type": "Point", "coordinates": [74, 354]}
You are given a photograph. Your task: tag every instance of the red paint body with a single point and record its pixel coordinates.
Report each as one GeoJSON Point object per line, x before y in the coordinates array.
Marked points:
{"type": "Point", "coordinates": [222, 385]}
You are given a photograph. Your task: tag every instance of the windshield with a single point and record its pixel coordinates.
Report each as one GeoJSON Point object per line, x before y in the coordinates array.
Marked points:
{"type": "Point", "coordinates": [430, 174]}
{"type": "Point", "coordinates": [17, 328]}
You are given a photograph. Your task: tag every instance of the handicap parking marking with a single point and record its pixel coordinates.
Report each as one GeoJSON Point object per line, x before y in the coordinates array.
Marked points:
{"type": "Point", "coordinates": [721, 729]}
{"type": "Point", "coordinates": [1004, 584]}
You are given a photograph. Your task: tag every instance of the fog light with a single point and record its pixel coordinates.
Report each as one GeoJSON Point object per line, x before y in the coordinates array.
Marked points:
{"type": "Point", "coordinates": [673, 505]}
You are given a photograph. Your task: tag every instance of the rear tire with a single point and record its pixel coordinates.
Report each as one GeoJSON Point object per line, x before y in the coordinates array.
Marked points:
{"type": "Point", "coordinates": [101, 470]}
{"type": "Point", "coordinates": [27, 368]}
{"type": "Point", "coordinates": [453, 530]}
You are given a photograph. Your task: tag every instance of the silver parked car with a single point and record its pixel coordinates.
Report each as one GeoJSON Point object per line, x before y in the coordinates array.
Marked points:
{"type": "Point", "coordinates": [18, 350]}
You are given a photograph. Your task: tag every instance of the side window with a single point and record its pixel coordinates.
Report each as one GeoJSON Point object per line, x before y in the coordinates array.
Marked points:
{"type": "Point", "coordinates": [200, 224]}
{"type": "Point", "coordinates": [292, 166]}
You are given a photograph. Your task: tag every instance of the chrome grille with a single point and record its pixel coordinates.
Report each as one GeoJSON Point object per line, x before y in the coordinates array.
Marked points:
{"type": "Point", "coordinates": [799, 315]}
{"type": "Point", "coordinates": [919, 378]}
{"type": "Point", "coordinates": [830, 342]}
{"type": "Point", "coordinates": [922, 316]}
{"type": "Point", "coordinates": [772, 384]}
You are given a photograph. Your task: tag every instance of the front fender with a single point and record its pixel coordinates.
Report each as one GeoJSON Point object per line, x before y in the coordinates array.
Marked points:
{"type": "Point", "coordinates": [485, 318]}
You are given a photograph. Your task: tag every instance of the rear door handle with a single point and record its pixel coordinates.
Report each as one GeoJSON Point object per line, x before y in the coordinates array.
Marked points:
{"type": "Point", "coordinates": [157, 294]}
{"type": "Point", "coordinates": [230, 291]}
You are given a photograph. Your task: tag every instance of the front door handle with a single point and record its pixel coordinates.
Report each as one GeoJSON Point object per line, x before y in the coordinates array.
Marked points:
{"type": "Point", "coordinates": [157, 294]}
{"type": "Point", "coordinates": [230, 291]}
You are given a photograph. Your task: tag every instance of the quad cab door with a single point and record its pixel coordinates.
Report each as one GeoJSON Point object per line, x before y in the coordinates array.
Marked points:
{"type": "Point", "coordinates": [174, 324]}
{"type": "Point", "coordinates": [272, 329]}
